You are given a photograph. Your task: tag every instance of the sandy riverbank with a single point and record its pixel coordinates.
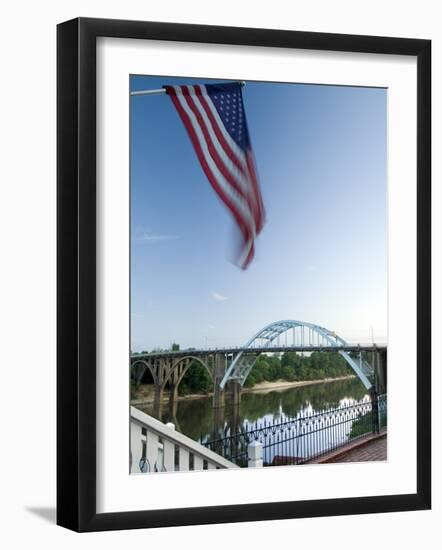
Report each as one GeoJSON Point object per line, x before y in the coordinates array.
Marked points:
{"type": "Point", "coordinates": [262, 387]}
{"type": "Point", "coordinates": [284, 384]}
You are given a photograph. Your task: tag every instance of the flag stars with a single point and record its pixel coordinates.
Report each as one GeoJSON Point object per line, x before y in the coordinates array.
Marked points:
{"type": "Point", "coordinates": [230, 109]}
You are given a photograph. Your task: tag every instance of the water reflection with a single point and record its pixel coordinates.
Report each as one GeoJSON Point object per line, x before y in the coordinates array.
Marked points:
{"type": "Point", "coordinates": [198, 420]}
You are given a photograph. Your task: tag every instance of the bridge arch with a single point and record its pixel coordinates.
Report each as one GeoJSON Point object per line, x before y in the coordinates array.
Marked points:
{"type": "Point", "coordinates": [243, 363]}
{"type": "Point", "coordinates": [190, 359]}
{"type": "Point", "coordinates": [146, 365]}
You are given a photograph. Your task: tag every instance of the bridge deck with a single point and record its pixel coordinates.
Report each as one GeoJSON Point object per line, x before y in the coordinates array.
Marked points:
{"type": "Point", "coordinates": [260, 349]}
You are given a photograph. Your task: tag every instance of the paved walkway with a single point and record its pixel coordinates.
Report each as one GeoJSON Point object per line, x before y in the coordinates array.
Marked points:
{"type": "Point", "coordinates": [372, 447]}
{"type": "Point", "coordinates": [375, 450]}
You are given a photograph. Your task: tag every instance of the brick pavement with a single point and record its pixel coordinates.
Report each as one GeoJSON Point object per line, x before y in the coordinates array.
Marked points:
{"type": "Point", "coordinates": [375, 450]}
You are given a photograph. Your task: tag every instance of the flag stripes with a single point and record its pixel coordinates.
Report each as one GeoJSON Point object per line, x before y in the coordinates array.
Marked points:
{"type": "Point", "coordinates": [229, 167]}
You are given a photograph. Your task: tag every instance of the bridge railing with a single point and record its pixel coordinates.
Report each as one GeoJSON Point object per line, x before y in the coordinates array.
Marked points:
{"type": "Point", "coordinates": [305, 437]}
{"type": "Point", "coordinates": [157, 447]}
{"type": "Point", "coordinates": [275, 345]}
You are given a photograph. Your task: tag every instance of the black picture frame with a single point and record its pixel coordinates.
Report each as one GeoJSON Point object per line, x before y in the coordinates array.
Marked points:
{"type": "Point", "coordinates": [76, 274]}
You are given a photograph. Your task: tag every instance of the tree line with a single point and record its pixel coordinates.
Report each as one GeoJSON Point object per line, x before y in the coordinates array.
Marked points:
{"type": "Point", "coordinates": [292, 366]}
{"type": "Point", "coordinates": [288, 366]}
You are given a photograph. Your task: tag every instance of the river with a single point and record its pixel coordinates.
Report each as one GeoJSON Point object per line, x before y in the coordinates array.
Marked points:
{"type": "Point", "coordinates": [197, 419]}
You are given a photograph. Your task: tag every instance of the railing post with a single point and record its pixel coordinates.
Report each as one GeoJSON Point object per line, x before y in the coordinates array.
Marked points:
{"type": "Point", "coordinates": [254, 452]}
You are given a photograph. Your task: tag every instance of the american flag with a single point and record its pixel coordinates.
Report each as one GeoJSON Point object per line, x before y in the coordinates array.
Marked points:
{"type": "Point", "coordinates": [214, 117]}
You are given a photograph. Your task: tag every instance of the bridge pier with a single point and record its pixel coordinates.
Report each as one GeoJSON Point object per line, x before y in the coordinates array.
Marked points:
{"type": "Point", "coordinates": [157, 400]}
{"type": "Point", "coordinates": [218, 394]}
{"type": "Point", "coordinates": [379, 387]}
{"type": "Point", "coordinates": [173, 386]}
{"type": "Point", "coordinates": [218, 422]}
{"type": "Point", "coordinates": [218, 373]}
{"type": "Point", "coordinates": [173, 407]}
{"type": "Point", "coordinates": [173, 394]}
{"type": "Point", "coordinates": [235, 423]}
{"type": "Point", "coordinates": [236, 393]}
{"type": "Point", "coordinates": [381, 371]}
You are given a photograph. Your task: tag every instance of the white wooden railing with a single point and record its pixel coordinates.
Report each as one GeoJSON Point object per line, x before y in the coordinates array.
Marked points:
{"type": "Point", "coordinates": [157, 447]}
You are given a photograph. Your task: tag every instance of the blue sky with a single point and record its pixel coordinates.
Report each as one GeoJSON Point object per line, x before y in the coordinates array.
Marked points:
{"type": "Point", "coordinates": [321, 154]}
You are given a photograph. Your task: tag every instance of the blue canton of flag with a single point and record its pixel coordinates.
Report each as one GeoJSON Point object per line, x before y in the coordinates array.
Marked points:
{"type": "Point", "coordinates": [227, 99]}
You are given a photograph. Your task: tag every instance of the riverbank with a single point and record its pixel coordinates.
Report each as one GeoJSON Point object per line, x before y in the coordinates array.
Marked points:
{"type": "Point", "coordinates": [147, 391]}
{"type": "Point", "coordinates": [284, 384]}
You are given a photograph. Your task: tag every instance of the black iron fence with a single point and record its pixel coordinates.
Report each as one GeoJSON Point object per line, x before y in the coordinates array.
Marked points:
{"type": "Point", "coordinates": [306, 436]}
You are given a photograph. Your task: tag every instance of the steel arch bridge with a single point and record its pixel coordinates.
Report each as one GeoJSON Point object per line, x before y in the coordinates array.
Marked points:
{"type": "Point", "coordinates": [302, 335]}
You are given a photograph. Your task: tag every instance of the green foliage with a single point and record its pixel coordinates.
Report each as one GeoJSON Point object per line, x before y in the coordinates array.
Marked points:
{"type": "Point", "coordinates": [292, 366]}
{"type": "Point", "coordinates": [364, 424]}
{"type": "Point", "coordinates": [196, 380]}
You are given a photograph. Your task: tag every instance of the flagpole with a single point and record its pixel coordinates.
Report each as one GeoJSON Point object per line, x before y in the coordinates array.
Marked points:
{"type": "Point", "coordinates": [149, 92]}
{"type": "Point", "coordinates": [163, 90]}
